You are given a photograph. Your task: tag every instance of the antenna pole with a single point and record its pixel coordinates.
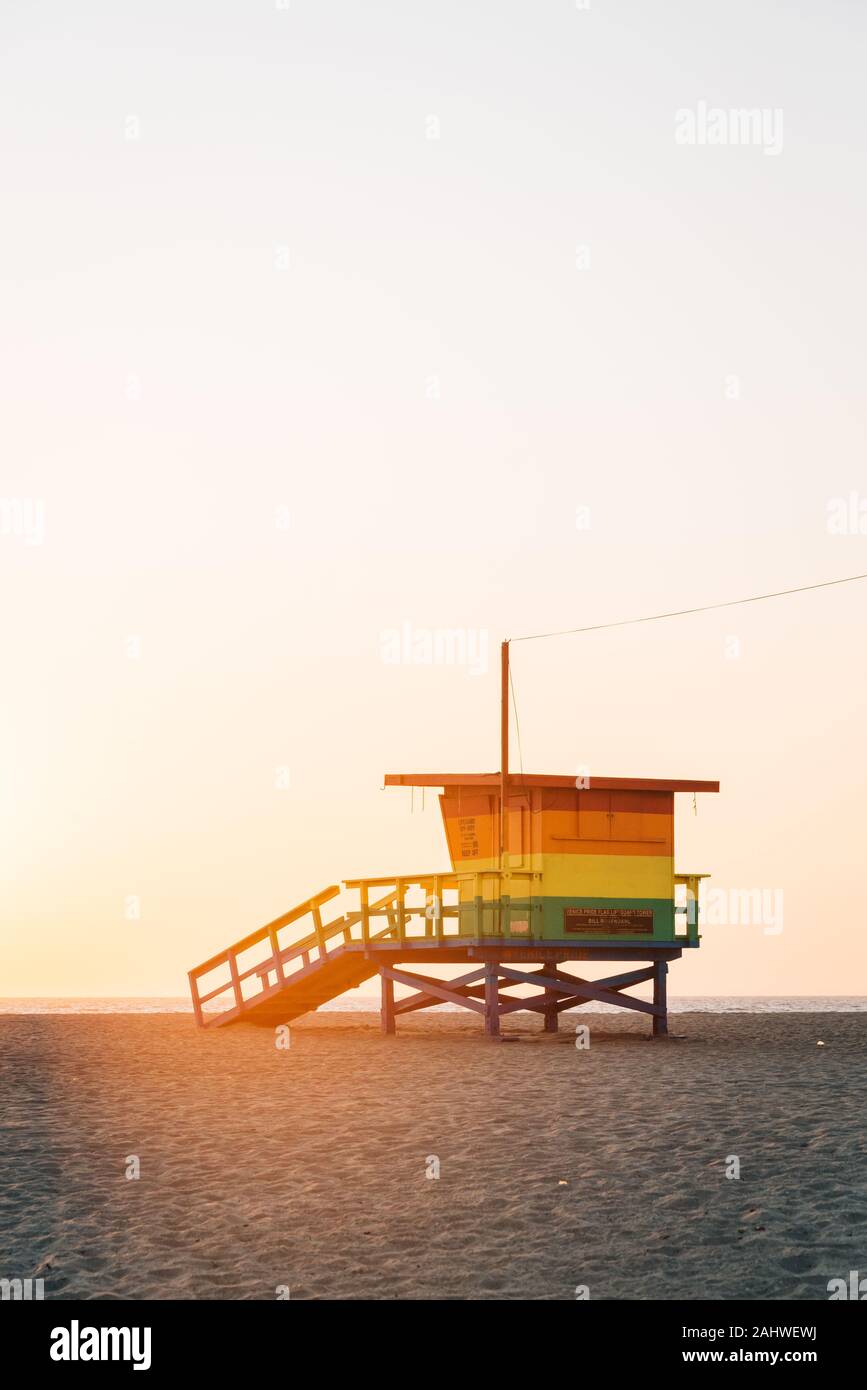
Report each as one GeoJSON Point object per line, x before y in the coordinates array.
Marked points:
{"type": "Point", "coordinates": [504, 747]}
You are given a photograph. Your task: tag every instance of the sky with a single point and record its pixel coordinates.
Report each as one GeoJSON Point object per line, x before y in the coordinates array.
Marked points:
{"type": "Point", "coordinates": [326, 322]}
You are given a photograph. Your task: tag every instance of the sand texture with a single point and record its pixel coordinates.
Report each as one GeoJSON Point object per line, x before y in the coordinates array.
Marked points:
{"type": "Point", "coordinates": [306, 1168]}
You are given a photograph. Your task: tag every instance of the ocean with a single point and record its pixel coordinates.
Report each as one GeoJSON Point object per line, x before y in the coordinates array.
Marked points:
{"type": "Point", "coordinates": [369, 1003]}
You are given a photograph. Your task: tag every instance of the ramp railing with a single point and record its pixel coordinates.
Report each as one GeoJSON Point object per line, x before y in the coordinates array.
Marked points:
{"type": "Point", "coordinates": [413, 907]}
{"type": "Point", "coordinates": [485, 905]}
{"type": "Point", "coordinates": [689, 908]}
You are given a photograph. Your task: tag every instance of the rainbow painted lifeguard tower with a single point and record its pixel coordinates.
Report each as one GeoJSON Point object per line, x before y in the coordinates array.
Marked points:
{"type": "Point", "coordinates": [545, 870]}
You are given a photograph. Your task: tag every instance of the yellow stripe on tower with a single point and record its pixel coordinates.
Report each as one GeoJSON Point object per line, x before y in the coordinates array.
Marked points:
{"type": "Point", "coordinates": [580, 876]}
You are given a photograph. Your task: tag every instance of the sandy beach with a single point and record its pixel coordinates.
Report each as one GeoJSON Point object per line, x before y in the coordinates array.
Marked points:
{"type": "Point", "coordinates": [305, 1168]}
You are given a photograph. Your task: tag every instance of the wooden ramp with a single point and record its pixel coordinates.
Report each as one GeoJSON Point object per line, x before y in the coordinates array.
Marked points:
{"type": "Point", "coordinates": [325, 980]}
{"type": "Point", "coordinates": [265, 980]}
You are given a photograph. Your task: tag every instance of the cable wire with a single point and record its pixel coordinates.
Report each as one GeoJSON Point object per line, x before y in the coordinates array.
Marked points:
{"type": "Point", "coordinates": [685, 612]}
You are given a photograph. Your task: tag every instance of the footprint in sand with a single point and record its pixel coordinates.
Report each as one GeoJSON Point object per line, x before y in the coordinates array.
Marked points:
{"type": "Point", "coordinates": [798, 1264]}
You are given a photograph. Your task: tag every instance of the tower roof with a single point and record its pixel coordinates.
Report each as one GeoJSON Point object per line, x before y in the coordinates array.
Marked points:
{"type": "Point", "coordinates": [545, 779]}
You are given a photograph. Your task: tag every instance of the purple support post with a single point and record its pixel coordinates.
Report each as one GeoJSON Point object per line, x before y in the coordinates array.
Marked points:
{"type": "Point", "coordinates": [660, 1021]}
{"type": "Point", "coordinates": [492, 1000]}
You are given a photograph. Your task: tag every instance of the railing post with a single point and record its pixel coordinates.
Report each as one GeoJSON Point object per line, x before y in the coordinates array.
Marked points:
{"type": "Point", "coordinates": [320, 935]}
{"type": "Point", "coordinates": [464, 908]}
{"type": "Point", "coordinates": [364, 894]}
{"type": "Point", "coordinates": [478, 883]}
{"type": "Point", "coordinates": [236, 983]}
{"type": "Point", "coordinates": [278, 964]}
{"type": "Point", "coordinates": [692, 909]}
{"type": "Point", "coordinates": [438, 908]}
{"type": "Point", "coordinates": [400, 889]}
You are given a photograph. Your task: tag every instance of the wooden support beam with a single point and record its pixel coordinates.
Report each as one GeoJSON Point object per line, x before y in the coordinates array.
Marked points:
{"type": "Point", "coordinates": [464, 984]}
{"type": "Point", "coordinates": [431, 992]}
{"type": "Point", "coordinates": [583, 988]}
{"type": "Point", "coordinates": [439, 988]}
{"type": "Point", "coordinates": [492, 1000]}
{"type": "Point", "coordinates": [536, 1004]}
{"type": "Point", "coordinates": [194, 993]}
{"type": "Point", "coordinates": [613, 982]}
{"type": "Point", "coordinates": [629, 977]}
{"type": "Point", "coordinates": [571, 1002]}
{"type": "Point", "coordinates": [660, 1000]}
{"type": "Point", "coordinates": [386, 1016]}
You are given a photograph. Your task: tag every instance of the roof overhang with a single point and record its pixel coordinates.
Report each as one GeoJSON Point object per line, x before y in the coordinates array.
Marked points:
{"type": "Point", "coordinates": [543, 779]}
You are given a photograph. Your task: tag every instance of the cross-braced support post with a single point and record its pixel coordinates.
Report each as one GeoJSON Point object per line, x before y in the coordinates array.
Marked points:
{"type": "Point", "coordinates": [660, 999]}
{"type": "Point", "coordinates": [492, 1000]}
{"type": "Point", "coordinates": [387, 1011]}
{"type": "Point", "coordinates": [483, 991]}
{"type": "Point", "coordinates": [551, 1013]}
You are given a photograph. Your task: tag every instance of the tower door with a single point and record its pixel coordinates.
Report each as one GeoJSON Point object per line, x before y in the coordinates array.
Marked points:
{"type": "Point", "coordinates": [594, 815]}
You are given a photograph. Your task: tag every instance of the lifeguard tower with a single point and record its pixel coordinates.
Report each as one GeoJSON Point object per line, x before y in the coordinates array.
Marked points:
{"type": "Point", "coordinates": [545, 870]}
